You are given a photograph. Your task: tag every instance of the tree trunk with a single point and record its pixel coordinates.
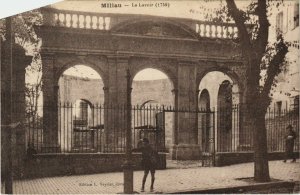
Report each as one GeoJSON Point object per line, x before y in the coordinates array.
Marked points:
{"type": "Point", "coordinates": [261, 166]}
{"type": "Point", "coordinates": [256, 110]}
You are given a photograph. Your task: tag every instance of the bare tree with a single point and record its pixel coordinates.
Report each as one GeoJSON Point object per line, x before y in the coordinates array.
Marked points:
{"type": "Point", "coordinates": [258, 55]}
{"type": "Point", "coordinates": [263, 61]}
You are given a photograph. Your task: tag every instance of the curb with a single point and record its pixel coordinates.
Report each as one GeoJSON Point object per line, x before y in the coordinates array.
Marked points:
{"type": "Point", "coordinates": [239, 189]}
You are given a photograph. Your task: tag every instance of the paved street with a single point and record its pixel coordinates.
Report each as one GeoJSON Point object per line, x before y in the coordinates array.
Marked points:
{"type": "Point", "coordinates": [172, 179]}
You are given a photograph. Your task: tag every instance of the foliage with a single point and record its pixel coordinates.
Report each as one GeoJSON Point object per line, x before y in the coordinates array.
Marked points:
{"type": "Point", "coordinates": [263, 61]}
{"type": "Point", "coordinates": [24, 34]}
{"type": "Point", "coordinates": [252, 22]}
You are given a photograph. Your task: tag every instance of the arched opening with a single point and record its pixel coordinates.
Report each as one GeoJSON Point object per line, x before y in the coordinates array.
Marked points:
{"type": "Point", "coordinates": [225, 116]}
{"type": "Point", "coordinates": [204, 101]}
{"type": "Point", "coordinates": [205, 121]}
{"type": "Point", "coordinates": [149, 103]}
{"type": "Point", "coordinates": [223, 98]}
{"type": "Point", "coordinates": [81, 116]}
{"type": "Point", "coordinates": [152, 97]}
{"type": "Point", "coordinates": [83, 111]}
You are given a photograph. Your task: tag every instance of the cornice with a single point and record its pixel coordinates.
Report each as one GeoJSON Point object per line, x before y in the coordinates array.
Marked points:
{"type": "Point", "coordinates": [49, 30]}
{"type": "Point", "coordinates": [127, 54]}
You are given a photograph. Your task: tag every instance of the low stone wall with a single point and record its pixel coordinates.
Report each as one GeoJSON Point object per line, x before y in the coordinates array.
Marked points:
{"type": "Point", "coordinates": [185, 152]}
{"type": "Point", "coordinates": [229, 158]}
{"type": "Point", "coordinates": [47, 165]}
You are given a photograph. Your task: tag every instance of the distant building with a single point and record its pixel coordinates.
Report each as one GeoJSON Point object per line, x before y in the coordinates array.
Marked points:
{"type": "Point", "coordinates": [286, 93]}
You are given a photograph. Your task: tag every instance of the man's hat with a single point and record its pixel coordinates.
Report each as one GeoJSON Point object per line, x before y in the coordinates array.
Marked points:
{"type": "Point", "coordinates": [289, 127]}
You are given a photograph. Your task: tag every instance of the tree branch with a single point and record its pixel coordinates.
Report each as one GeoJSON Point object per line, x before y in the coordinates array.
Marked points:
{"type": "Point", "coordinates": [237, 16]}
{"type": "Point", "coordinates": [263, 31]}
{"type": "Point", "coordinates": [273, 70]}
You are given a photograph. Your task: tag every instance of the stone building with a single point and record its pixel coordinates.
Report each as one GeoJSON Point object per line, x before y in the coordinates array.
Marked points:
{"type": "Point", "coordinates": [72, 88]}
{"type": "Point", "coordinates": [185, 50]}
{"type": "Point", "coordinates": [146, 93]}
{"type": "Point", "coordinates": [286, 21]}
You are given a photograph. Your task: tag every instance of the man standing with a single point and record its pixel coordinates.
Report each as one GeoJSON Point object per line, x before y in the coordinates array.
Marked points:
{"type": "Point", "coordinates": [289, 144]}
{"type": "Point", "coordinates": [149, 160]}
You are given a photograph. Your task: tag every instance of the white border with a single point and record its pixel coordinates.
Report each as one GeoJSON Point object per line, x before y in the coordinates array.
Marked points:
{"type": "Point", "coordinates": [13, 7]}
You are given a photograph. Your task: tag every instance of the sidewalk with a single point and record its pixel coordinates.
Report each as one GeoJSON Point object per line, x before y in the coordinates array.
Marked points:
{"type": "Point", "coordinates": [168, 180]}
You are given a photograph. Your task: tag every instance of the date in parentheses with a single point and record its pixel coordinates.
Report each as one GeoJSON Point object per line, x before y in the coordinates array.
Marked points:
{"type": "Point", "coordinates": [161, 4]}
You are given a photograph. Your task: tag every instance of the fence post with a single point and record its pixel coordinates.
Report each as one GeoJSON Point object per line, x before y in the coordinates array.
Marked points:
{"type": "Point", "coordinates": [127, 167]}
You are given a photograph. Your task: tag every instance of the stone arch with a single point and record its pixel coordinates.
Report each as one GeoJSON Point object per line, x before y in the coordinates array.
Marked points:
{"type": "Point", "coordinates": [159, 90]}
{"type": "Point", "coordinates": [146, 102]}
{"type": "Point", "coordinates": [84, 108]}
{"type": "Point", "coordinates": [138, 64]}
{"type": "Point", "coordinates": [88, 102]}
{"type": "Point", "coordinates": [233, 75]}
{"type": "Point", "coordinates": [84, 62]}
{"type": "Point", "coordinates": [164, 120]}
{"type": "Point", "coordinates": [72, 87]}
{"type": "Point", "coordinates": [237, 85]}
{"type": "Point", "coordinates": [227, 119]}
{"type": "Point", "coordinates": [204, 100]}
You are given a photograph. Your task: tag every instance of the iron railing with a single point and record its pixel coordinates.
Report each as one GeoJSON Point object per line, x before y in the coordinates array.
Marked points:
{"type": "Point", "coordinates": [101, 129]}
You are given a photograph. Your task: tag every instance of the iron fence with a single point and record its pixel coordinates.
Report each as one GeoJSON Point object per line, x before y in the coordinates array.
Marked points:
{"type": "Point", "coordinates": [98, 128]}
{"type": "Point", "coordinates": [234, 135]}
{"type": "Point", "coordinates": [87, 128]}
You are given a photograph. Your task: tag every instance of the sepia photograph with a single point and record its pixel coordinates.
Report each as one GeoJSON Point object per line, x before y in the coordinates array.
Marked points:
{"type": "Point", "coordinates": [151, 97]}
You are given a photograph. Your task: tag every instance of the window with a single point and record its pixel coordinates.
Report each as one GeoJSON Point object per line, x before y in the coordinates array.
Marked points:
{"type": "Point", "coordinates": [278, 107]}
{"type": "Point", "coordinates": [296, 14]}
{"type": "Point", "coordinates": [84, 110]}
{"type": "Point", "coordinates": [279, 22]}
{"type": "Point", "coordinates": [296, 104]}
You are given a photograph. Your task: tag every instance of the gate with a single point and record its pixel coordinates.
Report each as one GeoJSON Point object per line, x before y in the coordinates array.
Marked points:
{"type": "Point", "coordinates": [149, 123]}
{"type": "Point", "coordinates": [206, 137]}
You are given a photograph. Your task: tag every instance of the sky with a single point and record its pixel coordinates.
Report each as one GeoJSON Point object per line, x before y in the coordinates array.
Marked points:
{"type": "Point", "coordinates": [87, 72]}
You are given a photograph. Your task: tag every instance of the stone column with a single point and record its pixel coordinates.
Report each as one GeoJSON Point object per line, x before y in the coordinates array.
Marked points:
{"type": "Point", "coordinates": [115, 118]}
{"type": "Point", "coordinates": [121, 115]}
{"type": "Point", "coordinates": [111, 93]}
{"type": "Point", "coordinates": [186, 127]}
{"type": "Point", "coordinates": [199, 134]}
{"type": "Point", "coordinates": [175, 127]}
{"type": "Point", "coordinates": [236, 96]}
{"type": "Point", "coordinates": [50, 104]}
{"type": "Point", "coordinates": [173, 147]}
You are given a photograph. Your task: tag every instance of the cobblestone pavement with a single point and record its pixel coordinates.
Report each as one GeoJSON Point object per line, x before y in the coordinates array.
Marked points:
{"type": "Point", "coordinates": [166, 180]}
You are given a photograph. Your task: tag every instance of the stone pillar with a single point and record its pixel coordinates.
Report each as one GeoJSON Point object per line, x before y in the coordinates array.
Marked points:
{"type": "Point", "coordinates": [186, 146]}
{"type": "Point", "coordinates": [199, 133]}
{"type": "Point", "coordinates": [121, 82]}
{"type": "Point", "coordinates": [236, 96]}
{"type": "Point", "coordinates": [175, 128]}
{"type": "Point", "coordinates": [16, 96]}
{"type": "Point", "coordinates": [19, 111]}
{"type": "Point", "coordinates": [115, 119]}
{"type": "Point", "coordinates": [50, 104]}
{"type": "Point", "coordinates": [111, 92]}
